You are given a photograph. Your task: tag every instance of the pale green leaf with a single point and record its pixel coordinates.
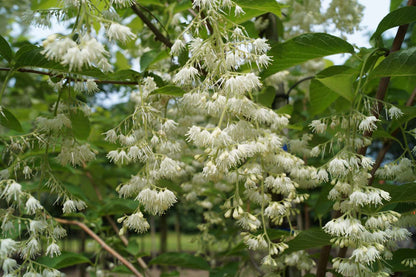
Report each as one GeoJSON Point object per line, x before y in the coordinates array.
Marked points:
{"type": "Point", "coordinates": [311, 238]}
{"type": "Point", "coordinates": [303, 48]}
{"type": "Point", "coordinates": [339, 79]}
{"type": "Point", "coordinates": [262, 5]}
{"type": "Point", "coordinates": [169, 90]}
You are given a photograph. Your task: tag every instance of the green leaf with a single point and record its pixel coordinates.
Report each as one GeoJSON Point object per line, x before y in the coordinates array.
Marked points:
{"type": "Point", "coordinates": [311, 238]}
{"type": "Point", "coordinates": [303, 48]}
{"type": "Point", "coordinates": [249, 14]}
{"type": "Point", "coordinates": [399, 256]}
{"type": "Point", "coordinates": [152, 57]}
{"type": "Point", "coordinates": [323, 205]}
{"type": "Point", "coordinates": [400, 63]}
{"type": "Point", "coordinates": [264, 5]}
{"type": "Point", "coordinates": [339, 79]}
{"type": "Point", "coordinates": [266, 96]}
{"type": "Point", "coordinates": [395, 18]}
{"type": "Point", "coordinates": [321, 97]}
{"type": "Point", "coordinates": [66, 259]}
{"type": "Point", "coordinates": [8, 120]}
{"type": "Point", "coordinates": [30, 55]}
{"type": "Point", "coordinates": [5, 50]}
{"type": "Point", "coordinates": [394, 4]}
{"type": "Point", "coordinates": [43, 4]}
{"type": "Point", "coordinates": [286, 109]}
{"type": "Point", "coordinates": [121, 61]}
{"type": "Point", "coordinates": [400, 193]}
{"type": "Point", "coordinates": [118, 206]}
{"type": "Point", "coordinates": [169, 90]}
{"type": "Point", "coordinates": [80, 125]}
{"type": "Point", "coordinates": [183, 260]}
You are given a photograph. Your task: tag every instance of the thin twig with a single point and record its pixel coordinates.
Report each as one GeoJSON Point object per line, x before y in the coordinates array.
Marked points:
{"type": "Point", "coordinates": [102, 243]}
{"type": "Point", "coordinates": [388, 143]}
{"type": "Point", "coordinates": [159, 36]}
{"type": "Point", "coordinates": [28, 70]}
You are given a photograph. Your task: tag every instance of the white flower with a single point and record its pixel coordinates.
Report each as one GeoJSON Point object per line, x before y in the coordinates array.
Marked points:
{"type": "Point", "coordinates": [31, 249]}
{"type": "Point", "coordinates": [7, 247]}
{"type": "Point", "coordinates": [177, 47]}
{"type": "Point", "coordinates": [368, 124]}
{"type": "Point", "coordinates": [169, 168]}
{"type": "Point", "coordinates": [9, 265]}
{"type": "Point", "coordinates": [120, 32]}
{"type": "Point", "coordinates": [91, 86]}
{"type": "Point", "coordinates": [241, 84]}
{"type": "Point", "coordinates": [395, 113]}
{"type": "Point", "coordinates": [33, 205]}
{"type": "Point", "coordinates": [111, 136]}
{"type": "Point", "coordinates": [186, 75]}
{"type": "Point", "coordinates": [75, 154]}
{"type": "Point", "coordinates": [263, 61]}
{"type": "Point", "coordinates": [27, 171]}
{"type": "Point", "coordinates": [58, 232]}
{"type": "Point", "coordinates": [155, 202]}
{"type": "Point", "coordinates": [137, 222]}
{"type": "Point", "coordinates": [73, 58]}
{"type": "Point", "coordinates": [122, 3]}
{"type": "Point", "coordinates": [318, 126]}
{"type": "Point", "coordinates": [55, 49]}
{"type": "Point", "coordinates": [260, 46]}
{"type": "Point", "coordinates": [72, 206]}
{"type": "Point", "coordinates": [118, 156]}
{"type": "Point", "coordinates": [12, 191]}
{"type": "Point", "coordinates": [365, 255]}
{"type": "Point", "coordinates": [238, 10]}
{"type": "Point", "coordinates": [53, 250]}
{"type": "Point", "coordinates": [359, 198]}
{"type": "Point", "coordinates": [338, 167]}
{"type": "Point", "coordinates": [37, 226]}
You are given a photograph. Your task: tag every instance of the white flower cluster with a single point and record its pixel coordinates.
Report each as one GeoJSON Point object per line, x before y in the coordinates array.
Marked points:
{"type": "Point", "coordinates": [76, 55]}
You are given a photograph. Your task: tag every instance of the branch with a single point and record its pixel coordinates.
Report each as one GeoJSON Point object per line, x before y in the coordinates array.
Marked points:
{"type": "Point", "coordinates": [384, 82]}
{"type": "Point", "coordinates": [388, 143]}
{"type": "Point", "coordinates": [159, 36]}
{"type": "Point", "coordinates": [111, 221]}
{"type": "Point", "coordinates": [381, 93]}
{"type": "Point", "coordinates": [102, 243]}
{"type": "Point", "coordinates": [28, 70]}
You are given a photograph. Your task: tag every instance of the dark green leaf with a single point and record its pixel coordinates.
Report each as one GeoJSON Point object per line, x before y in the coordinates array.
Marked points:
{"type": "Point", "coordinates": [399, 256]}
{"type": "Point", "coordinates": [264, 5]}
{"type": "Point", "coordinates": [321, 97]}
{"type": "Point", "coordinates": [339, 79]}
{"type": "Point", "coordinates": [169, 90]}
{"type": "Point", "coordinates": [400, 63]}
{"type": "Point", "coordinates": [266, 96]}
{"type": "Point", "coordinates": [395, 18]}
{"type": "Point", "coordinates": [228, 270]}
{"type": "Point", "coordinates": [8, 120]}
{"type": "Point", "coordinates": [118, 206]}
{"type": "Point", "coordinates": [30, 55]}
{"type": "Point", "coordinates": [80, 125]}
{"type": "Point", "coordinates": [311, 238]}
{"type": "Point", "coordinates": [303, 48]}
{"type": "Point", "coordinates": [183, 260]}
{"type": "Point", "coordinates": [5, 50]}
{"type": "Point", "coordinates": [323, 205]}
{"type": "Point", "coordinates": [400, 193]}
{"type": "Point", "coordinates": [66, 259]}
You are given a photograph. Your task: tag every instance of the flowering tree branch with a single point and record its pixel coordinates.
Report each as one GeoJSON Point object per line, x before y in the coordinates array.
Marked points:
{"type": "Point", "coordinates": [102, 243]}
{"type": "Point", "coordinates": [380, 95]}
{"type": "Point", "coordinates": [159, 36]}
{"type": "Point", "coordinates": [388, 143]}
{"type": "Point", "coordinates": [28, 70]}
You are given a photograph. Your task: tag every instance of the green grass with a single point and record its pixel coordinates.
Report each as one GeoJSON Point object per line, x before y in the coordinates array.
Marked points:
{"type": "Point", "coordinates": [146, 245]}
